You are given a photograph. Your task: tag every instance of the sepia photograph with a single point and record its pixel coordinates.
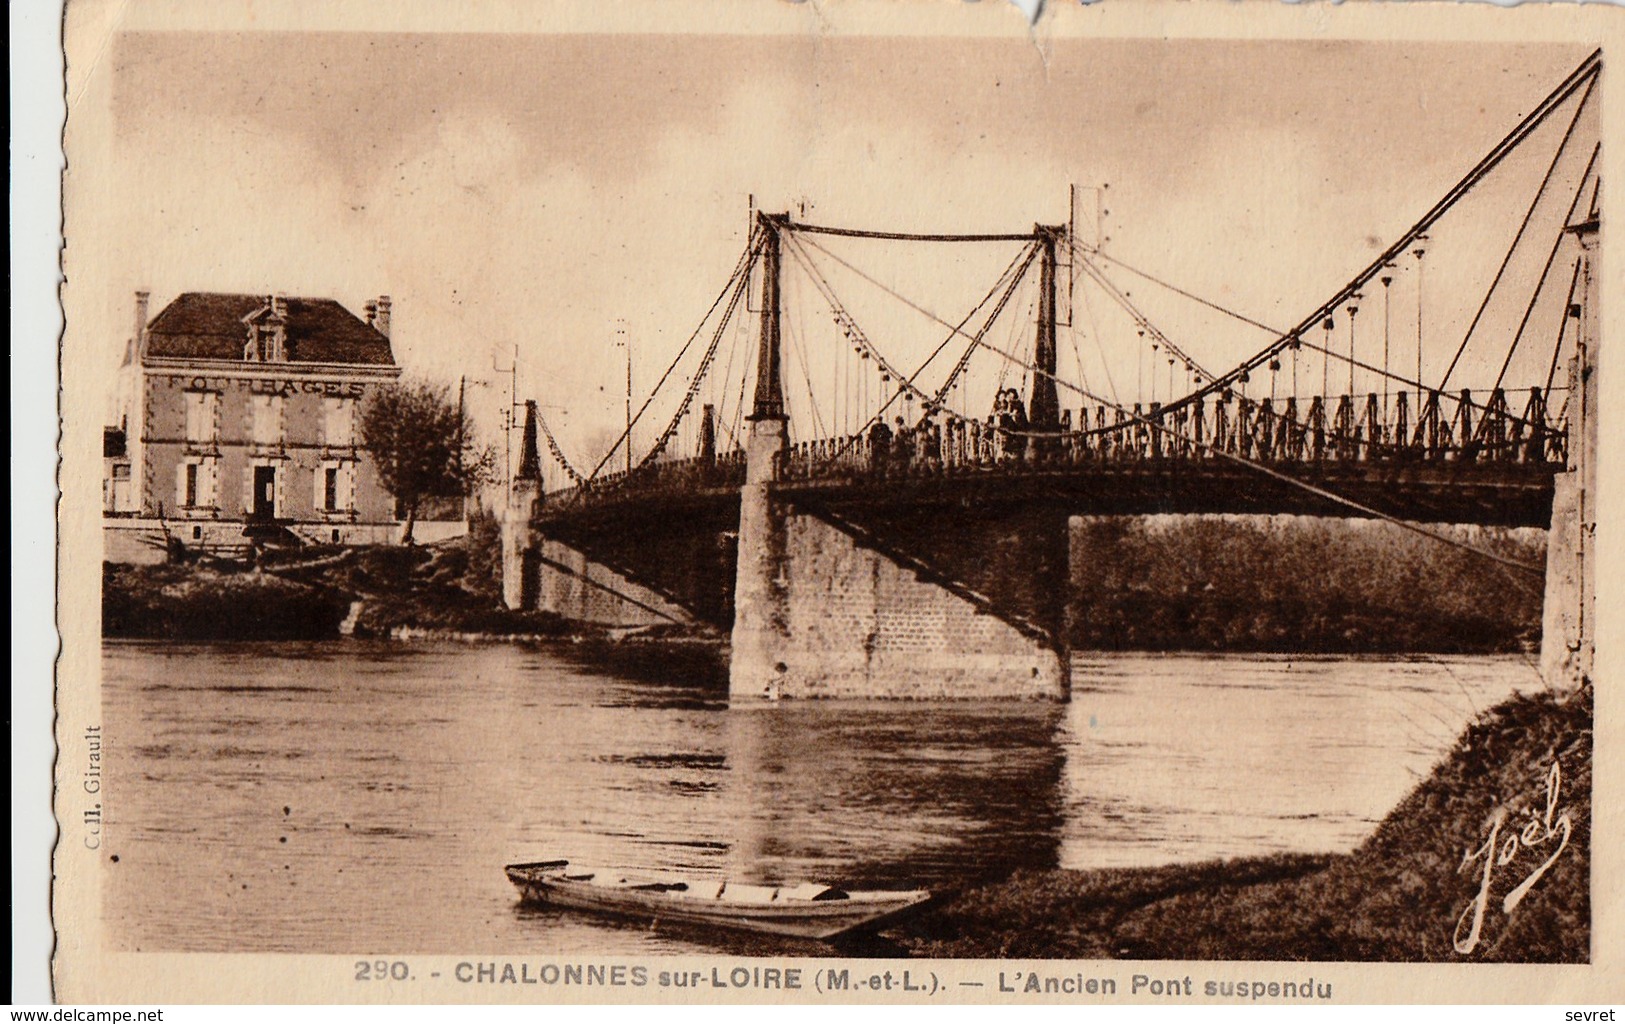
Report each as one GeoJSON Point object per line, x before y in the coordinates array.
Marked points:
{"type": "Point", "coordinates": [593, 509]}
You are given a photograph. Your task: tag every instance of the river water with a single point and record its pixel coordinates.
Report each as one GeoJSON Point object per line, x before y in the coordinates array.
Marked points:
{"type": "Point", "coordinates": [352, 796]}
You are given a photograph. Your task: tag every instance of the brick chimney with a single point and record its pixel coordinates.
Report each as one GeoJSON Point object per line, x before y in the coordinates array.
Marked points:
{"type": "Point", "coordinates": [381, 320]}
{"type": "Point", "coordinates": [372, 311]}
{"type": "Point", "coordinates": [141, 300]}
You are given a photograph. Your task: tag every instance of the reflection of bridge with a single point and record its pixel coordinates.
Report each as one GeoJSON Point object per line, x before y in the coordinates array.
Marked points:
{"type": "Point", "coordinates": [910, 543]}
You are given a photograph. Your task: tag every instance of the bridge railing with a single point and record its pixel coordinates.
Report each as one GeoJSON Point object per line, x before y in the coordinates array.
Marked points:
{"type": "Point", "coordinates": [1451, 428]}
{"type": "Point", "coordinates": [726, 469]}
{"type": "Point", "coordinates": [1372, 428]}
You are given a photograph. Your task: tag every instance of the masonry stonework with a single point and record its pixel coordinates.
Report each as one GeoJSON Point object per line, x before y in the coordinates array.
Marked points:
{"type": "Point", "coordinates": [1568, 627]}
{"type": "Point", "coordinates": [575, 587]}
{"type": "Point", "coordinates": [244, 410]}
{"type": "Point", "coordinates": [760, 627]}
{"type": "Point", "coordinates": [857, 624]}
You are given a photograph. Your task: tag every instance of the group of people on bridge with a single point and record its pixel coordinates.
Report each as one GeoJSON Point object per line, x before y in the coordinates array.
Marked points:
{"type": "Point", "coordinates": [943, 442]}
{"type": "Point", "coordinates": [1235, 426]}
{"type": "Point", "coordinates": [928, 443]}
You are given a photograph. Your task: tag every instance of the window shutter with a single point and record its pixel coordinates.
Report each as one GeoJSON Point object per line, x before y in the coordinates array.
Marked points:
{"type": "Point", "coordinates": [248, 489]}
{"type": "Point", "coordinates": [339, 421]}
{"type": "Point", "coordinates": [278, 481]}
{"type": "Point", "coordinates": [347, 486]}
{"type": "Point", "coordinates": [317, 479]}
{"type": "Point", "coordinates": [180, 485]}
{"type": "Point", "coordinates": [209, 486]}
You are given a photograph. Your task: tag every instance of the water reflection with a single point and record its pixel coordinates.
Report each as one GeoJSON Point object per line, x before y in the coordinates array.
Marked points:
{"type": "Point", "coordinates": [891, 794]}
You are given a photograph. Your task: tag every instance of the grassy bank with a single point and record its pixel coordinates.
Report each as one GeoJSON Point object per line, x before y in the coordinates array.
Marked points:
{"type": "Point", "coordinates": [1291, 584]}
{"type": "Point", "coordinates": [1399, 896]}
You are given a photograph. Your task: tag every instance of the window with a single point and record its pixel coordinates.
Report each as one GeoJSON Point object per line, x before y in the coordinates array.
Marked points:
{"type": "Point", "coordinates": [270, 344]}
{"type": "Point", "coordinates": [266, 344]}
{"type": "Point", "coordinates": [335, 486]}
{"type": "Point", "coordinates": [195, 482]}
{"type": "Point", "coordinates": [201, 407]}
{"type": "Point", "coordinates": [338, 424]}
{"type": "Point", "coordinates": [268, 419]}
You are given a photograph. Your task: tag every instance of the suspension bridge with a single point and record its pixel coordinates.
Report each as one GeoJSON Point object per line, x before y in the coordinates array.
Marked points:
{"type": "Point", "coordinates": [874, 495]}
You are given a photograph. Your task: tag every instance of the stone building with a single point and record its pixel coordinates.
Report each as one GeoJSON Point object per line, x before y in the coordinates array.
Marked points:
{"type": "Point", "coordinates": [242, 411]}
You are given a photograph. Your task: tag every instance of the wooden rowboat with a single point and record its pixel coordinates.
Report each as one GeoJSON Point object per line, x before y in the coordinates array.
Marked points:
{"type": "Point", "coordinates": [809, 911]}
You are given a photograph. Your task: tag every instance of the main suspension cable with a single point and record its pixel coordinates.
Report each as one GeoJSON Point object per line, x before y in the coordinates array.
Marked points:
{"type": "Point", "coordinates": [752, 246]}
{"type": "Point", "coordinates": [1215, 450]}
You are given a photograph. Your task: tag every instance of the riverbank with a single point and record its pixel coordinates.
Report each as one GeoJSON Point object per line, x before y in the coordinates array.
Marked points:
{"type": "Point", "coordinates": [1220, 584]}
{"type": "Point", "coordinates": [315, 594]}
{"type": "Point", "coordinates": [1289, 584]}
{"type": "Point", "coordinates": [1411, 892]}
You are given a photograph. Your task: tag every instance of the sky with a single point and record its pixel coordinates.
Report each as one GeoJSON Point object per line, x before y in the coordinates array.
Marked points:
{"type": "Point", "coordinates": [558, 194]}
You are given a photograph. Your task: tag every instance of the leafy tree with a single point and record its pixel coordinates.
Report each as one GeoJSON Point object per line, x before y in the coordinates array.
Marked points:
{"type": "Point", "coordinates": [423, 444]}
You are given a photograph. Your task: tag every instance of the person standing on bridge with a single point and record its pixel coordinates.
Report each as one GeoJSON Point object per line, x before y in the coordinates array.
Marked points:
{"type": "Point", "coordinates": [923, 451]}
{"type": "Point", "coordinates": [904, 445]}
{"type": "Point", "coordinates": [879, 446]}
{"type": "Point", "coordinates": [1012, 419]}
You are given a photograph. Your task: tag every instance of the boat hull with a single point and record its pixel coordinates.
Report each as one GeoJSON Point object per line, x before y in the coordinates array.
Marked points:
{"type": "Point", "coordinates": [820, 919]}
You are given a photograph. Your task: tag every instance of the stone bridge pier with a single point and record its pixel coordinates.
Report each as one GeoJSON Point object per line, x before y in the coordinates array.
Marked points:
{"type": "Point", "coordinates": [826, 605]}
{"type": "Point", "coordinates": [1568, 628]}
{"type": "Point", "coordinates": [543, 573]}
{"type": "Point", "coordinates": [833, 605]}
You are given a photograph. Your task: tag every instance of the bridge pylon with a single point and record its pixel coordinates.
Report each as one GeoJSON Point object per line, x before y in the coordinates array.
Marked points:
{"type": "Point", "coordinates": [521, 565]}
{"type": "Point", "coordinates": [759, 636]}
{"type": "Point", "coordinates": [1568, 629]}
{"type": "Point", "coordinates": [824, 606]}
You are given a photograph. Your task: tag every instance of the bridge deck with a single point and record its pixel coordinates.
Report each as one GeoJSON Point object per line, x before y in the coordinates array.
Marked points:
{"type": "Point", "coordinates": [1486, 493]}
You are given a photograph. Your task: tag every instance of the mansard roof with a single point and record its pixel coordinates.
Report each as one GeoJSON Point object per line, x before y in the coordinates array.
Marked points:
{"type": "Point", "coordinates": [207, 325]}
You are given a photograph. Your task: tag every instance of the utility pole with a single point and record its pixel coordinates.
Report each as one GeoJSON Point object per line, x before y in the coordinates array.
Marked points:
{"type": "Point", "coordinates": [462, 504]}
{"type": "Point", "coordinates": [626, 343]}
{"type": "Point", "coordinates": [508, 415]}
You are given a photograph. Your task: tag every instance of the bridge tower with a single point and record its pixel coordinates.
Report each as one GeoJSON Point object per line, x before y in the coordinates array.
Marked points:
{"type": "Point", "coordinates": [521, 562]}
{"type": "Point", "coordinates": [760, 626]}
{"type": "Point", "coordinates": [1043, 407]}
{"type": "Point", "coordinates": [1568, 633]}
{"type": "Point", "coordinates": [826, 604]}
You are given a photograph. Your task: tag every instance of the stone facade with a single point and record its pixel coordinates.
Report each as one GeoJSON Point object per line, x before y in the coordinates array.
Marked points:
{"type": "Point", "coordinates": [573, 586]}
{"type": "Point", "coordinates": [239, 408]}
{"type": "Point", "coordinates": [858, 624]}
{"type": "Point", "coordinates": [818, 614]}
